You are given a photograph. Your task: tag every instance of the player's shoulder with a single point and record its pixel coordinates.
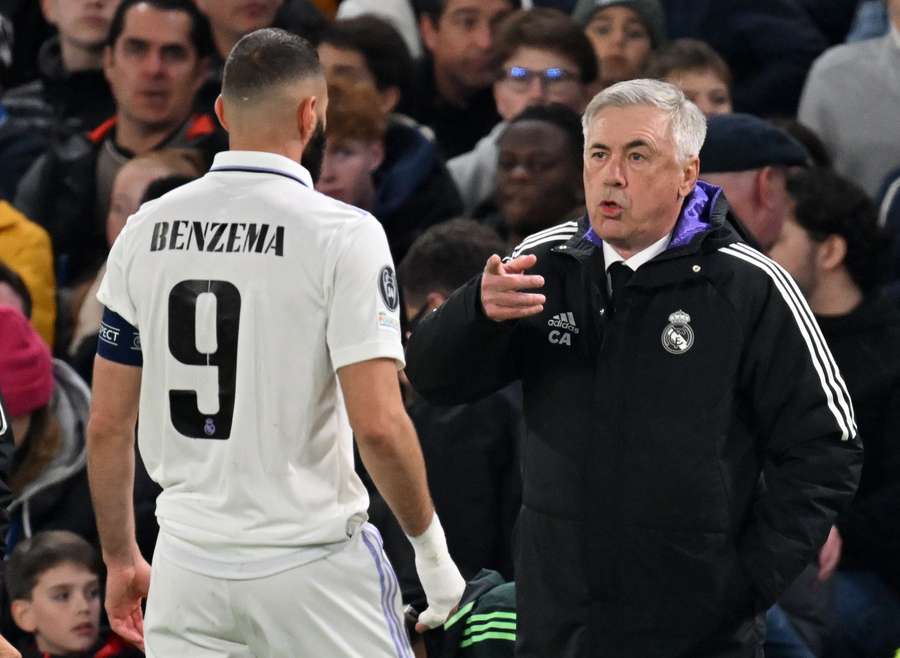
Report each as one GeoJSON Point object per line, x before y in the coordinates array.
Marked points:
{"type": "Point", "coordinates": [544, 240]}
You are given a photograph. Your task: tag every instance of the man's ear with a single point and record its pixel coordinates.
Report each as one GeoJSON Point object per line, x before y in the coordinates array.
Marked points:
{"type": "Point", "coordinates": [831, 252]}
{"type": "Point", "coordinates": [219, 107]}
{"type": "Point", "coordinates": [107, 61]}
{"type": "Point", "coordinates": [306, 118]}
{"type": "Point", "coordinates": [429, 31]}
{"type": "Point", "coordinates": [48, 9]}
{"type": "Point", "coordinates": [377, 152]}
{"type": "Point", "coordinates": [23, 614]}
{"type": "Point", "coordinates": [390, 98]}
{"type": "Point", "coordinates": [690, 172]}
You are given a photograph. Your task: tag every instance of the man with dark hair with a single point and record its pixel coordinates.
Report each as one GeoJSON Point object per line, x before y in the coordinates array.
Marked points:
{"type": "Point", "coordinates": [155, 61]}
{"type": "Point", "coordinates": [453, 95]}
{"type": "Point", "coordinates": [261, 510]}
{"type": "Point", "coordinates": [369, 49]}
{"type": "Point", "coordinates": [539, 171]}
{"type": "Point", "coordinates": [542, 56]}
{"type": "Point", "coordinates": [70, 95]}
{"type": "Point", "coordinates": [832, 245]}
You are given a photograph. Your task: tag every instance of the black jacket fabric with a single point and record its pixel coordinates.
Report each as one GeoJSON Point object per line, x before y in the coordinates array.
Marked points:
{"type": "Point", "coordinates": [413, 188]}
{"type": "Point", "coordinates": [457, 129]}
{"type": "Point", "coordinates": [866, 345]}
{"type": "Point", "coordinates": [51, 108]}
{"type": "Point", "coordinates": [645, 531]}
{"type": "Point", "coordinates": [7, 450]}
{"type": "Point", "coordinates": [59, 193]}
{"type": "Point", "coordinates": [768, 44]}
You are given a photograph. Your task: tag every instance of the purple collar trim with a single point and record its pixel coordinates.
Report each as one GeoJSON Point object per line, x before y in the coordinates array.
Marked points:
{"type": "Point", "coordinates": [694, 217]}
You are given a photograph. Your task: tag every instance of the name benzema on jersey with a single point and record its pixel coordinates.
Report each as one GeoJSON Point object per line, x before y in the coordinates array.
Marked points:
{"type": "Point", "coordinates": [218, 237]}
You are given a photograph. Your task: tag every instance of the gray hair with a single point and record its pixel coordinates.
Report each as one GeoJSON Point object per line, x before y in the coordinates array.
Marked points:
{"type": "Point", "coordinates": [685, 119]}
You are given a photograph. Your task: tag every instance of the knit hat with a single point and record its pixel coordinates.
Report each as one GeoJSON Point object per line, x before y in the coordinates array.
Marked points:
{"type": "Point", "coordinates": [26, 368]}
{"type": "Point", "coordinates": [741, 142]}
{"type": "Point", "coordinates": [650, 11]}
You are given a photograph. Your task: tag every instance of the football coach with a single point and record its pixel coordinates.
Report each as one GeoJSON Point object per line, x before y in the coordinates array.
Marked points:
{"type": "Point", "coordinates": [690, 440]}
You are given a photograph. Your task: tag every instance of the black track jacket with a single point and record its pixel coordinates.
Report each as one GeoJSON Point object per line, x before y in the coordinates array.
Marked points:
{"type": "Point", "coordinates": [647, 527]}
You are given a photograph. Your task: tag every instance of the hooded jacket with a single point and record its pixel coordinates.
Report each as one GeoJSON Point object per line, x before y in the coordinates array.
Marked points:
{"type": "Point", "coordinates": [54, 106]}
{"type": "Point", "coordinates": [59, 498]}
{"type": "Point", "coordinates": [644, 530]}
{"type": "Point", "coordinates": [413, 187]}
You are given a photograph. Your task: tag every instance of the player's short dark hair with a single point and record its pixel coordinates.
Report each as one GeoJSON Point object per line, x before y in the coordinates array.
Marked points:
{"type": "Point", "coordinates": [546, 29]}
{"type": "Point", "coordinates": [826, 203]}
{"type": "Point", "coordinates": [434, 9]}
{"type": "Point", "coordinates": [688, 55]}
{"type": "Point", "coordinates": [43, 551]}
{"type": "Point", "coordinates": [564, 118]}
{"type": "Point", "coordinates": [201, 33]}
{"type": "Point", "coordinates": [10, 277]}
{"type": "Point", "coordinates": [445, 256]}
{"type": "Point", "coordinates": [379, 43]}
{"type": "Point", "coordinates": [265, 59]}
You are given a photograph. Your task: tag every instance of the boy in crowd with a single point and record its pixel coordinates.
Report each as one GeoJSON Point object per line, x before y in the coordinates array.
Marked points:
{"type": "Point", "coordinates": [53, 580]}
{"type": "Point", "coordinates": [698, 70]}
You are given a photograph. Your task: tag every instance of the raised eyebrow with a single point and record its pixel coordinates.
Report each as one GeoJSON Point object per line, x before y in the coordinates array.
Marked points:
{"type": "Point", "coordinates": [638, 143]}
{"type": "Point", "coordinates": [597, 145]}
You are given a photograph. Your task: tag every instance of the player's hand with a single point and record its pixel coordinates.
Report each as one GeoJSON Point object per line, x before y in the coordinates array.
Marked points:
{"type": "Point", "coordinates": [502, 286]}
{"type": "Point", "coordinates": [126, 588]}
{"type": "Point", "coordinates": [830, 554]}
{"type": "Point", "coordinates": [444, 586]}
{"type": "Point", "coordinates": [7, 650]}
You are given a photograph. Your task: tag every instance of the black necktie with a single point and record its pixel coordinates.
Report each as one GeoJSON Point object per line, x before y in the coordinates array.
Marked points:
{"type": "Point", "coordinates": [619, 274]}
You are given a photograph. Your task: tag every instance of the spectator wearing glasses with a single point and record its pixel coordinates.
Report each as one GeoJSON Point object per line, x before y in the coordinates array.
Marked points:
{"type": "Point", "coordinates": [542, 57]}
{"type": "Point", "coordinates": [698, 70]}
{"type": "Point", "coordinates": [624, 33]}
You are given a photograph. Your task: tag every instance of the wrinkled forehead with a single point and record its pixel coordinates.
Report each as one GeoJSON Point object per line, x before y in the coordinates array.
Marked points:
{"type": "Point", "coordinates": [617, 126]}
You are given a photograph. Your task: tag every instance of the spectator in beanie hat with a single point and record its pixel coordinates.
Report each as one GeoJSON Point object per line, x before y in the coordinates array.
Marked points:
{"type": "Point", "coordinates": [48, 405]}
{"type": "Point", "coordinates": [624, 33]}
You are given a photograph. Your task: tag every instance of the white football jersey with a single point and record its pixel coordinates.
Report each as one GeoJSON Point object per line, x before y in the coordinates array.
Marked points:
{"type": "Point", "coordinates": [250, 290]}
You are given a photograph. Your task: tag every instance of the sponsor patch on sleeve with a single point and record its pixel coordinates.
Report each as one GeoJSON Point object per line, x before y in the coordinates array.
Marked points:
{"type": "Point", "coordinates": [388, 321]}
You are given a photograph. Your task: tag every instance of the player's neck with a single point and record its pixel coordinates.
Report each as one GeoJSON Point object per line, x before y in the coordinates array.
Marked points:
{"type": "Point", "coordinates": [289, 149]}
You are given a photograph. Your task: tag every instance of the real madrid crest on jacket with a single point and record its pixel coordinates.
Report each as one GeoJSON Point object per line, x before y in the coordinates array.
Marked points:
{"type": "Point", "coordinates": [644, 531]}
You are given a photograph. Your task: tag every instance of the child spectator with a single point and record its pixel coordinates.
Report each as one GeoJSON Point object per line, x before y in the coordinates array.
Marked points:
{"type": "Point", "coordinates": [698, 70]}
{"type": "Point", "coordinates": [53, 581]}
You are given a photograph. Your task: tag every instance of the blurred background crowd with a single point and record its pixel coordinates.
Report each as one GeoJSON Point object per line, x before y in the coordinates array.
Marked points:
{"type": "Point", "coordinates": [456, 123]}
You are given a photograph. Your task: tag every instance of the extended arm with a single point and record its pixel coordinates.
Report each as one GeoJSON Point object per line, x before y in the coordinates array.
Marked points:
{"type": "Point", "coordinates": [114, 408]}
{"type": "Point", "coordinates": [390, 450]}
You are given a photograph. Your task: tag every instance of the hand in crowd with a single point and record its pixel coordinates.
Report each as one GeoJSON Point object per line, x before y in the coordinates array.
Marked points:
{"type": "Point", "coordinates": [126, 588]}
{"type": "Point", "coordinates": [830, 554]}
{"type": "Point", "coordinates": [7, 650]}
{"type": "Point", "coordinates": [502, 286]}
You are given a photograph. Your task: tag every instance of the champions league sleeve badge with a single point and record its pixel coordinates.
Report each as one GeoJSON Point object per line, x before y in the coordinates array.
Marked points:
{"type": "Point", "coordinates": [678, 336]}
{"type": "Point", "coordinates": [387, 286]}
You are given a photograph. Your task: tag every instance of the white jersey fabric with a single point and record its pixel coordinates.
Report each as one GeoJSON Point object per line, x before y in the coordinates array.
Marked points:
{"type": "Point", "coordinates": [250, 290]}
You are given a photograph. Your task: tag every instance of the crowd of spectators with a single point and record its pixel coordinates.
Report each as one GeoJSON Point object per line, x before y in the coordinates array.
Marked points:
{"type": "Point", "coordinates": [456, 123]}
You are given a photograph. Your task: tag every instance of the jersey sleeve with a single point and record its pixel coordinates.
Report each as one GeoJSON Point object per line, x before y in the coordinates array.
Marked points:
{"type": "Point", "coordinates": [113, 292]}
{"type": "Point", "coordinates": [364, 305]}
